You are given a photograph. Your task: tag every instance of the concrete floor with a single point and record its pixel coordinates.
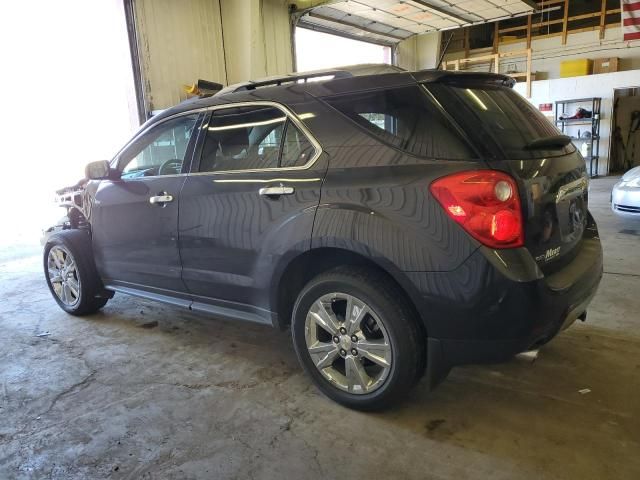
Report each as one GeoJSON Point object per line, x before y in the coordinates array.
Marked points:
{"type": "Point", "coordinates": [142, 390]}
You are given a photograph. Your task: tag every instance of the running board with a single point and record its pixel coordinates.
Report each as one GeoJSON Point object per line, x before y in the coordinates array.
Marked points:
{"type": "Point", "coordinates": [215, 310]}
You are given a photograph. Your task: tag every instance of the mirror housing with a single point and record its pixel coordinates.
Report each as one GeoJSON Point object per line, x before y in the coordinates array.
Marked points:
{"type": "Point", "coordinates": [100, 170]}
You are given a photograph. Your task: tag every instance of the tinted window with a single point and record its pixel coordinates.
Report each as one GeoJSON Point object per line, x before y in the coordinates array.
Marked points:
{"type": "Point", "coordinates": [501, 116]}
{"type": "Point", "coordinates": [407, 119]}
{"type": "Point", "coordinates": [243, 139]}
{"type": "Point", "coordinates": [160, 151]}
{"type": "Point", "coordinates": [297, 150]}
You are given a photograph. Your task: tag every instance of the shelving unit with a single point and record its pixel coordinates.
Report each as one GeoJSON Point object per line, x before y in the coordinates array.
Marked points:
{"type": "Point", "coordinates": [567, 126]}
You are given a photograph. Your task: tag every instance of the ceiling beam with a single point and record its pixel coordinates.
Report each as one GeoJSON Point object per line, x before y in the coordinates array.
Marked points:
{"type": "Point", "coordinates": [441, 11]}
{"type": "Point", "coordinates": [340, 33]}
{"type": "Point", "coordinates": [355, 25]}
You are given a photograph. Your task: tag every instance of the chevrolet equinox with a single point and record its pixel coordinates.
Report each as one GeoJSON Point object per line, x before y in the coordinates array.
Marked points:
{"type": "Point", "coordinates": [399, 223]}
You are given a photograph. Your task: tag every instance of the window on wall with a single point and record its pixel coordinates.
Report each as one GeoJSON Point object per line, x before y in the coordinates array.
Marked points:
{"type": "Point", "coordinates": [318, 50]}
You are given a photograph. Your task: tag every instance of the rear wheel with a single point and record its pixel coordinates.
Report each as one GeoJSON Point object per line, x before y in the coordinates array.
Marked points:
{"type": "Point", "coordinates": [71, 274]}
{"type": "Point", "coordinates": [357, 338]}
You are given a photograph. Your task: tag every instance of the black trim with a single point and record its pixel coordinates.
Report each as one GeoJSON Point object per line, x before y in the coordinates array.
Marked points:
{"type": "Point", "coordinates": [129, 14]}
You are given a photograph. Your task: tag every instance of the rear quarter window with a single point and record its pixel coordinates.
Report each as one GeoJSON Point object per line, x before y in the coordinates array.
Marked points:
{"type": "Point", "coordinates": [407, 119]}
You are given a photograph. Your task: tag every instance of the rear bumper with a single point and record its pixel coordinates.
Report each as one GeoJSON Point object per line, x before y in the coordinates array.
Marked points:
{"type": "Point", "coordinates": [500, 304]}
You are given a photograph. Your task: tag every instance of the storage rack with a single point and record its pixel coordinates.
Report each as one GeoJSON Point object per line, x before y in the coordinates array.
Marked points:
{"type": "Point", "coordinates": [568, 107]}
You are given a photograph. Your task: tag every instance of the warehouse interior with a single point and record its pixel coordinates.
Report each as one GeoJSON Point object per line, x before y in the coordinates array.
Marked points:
{"type": "Point", "coordinates": [147, 390]}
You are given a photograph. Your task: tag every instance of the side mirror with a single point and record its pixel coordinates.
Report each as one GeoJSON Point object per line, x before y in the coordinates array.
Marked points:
{"type": "Point", "coordinates": [97, 170]}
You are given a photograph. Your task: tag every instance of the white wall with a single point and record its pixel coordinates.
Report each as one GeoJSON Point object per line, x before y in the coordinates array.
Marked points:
{"type": "Point", "coordinates": [547, 53]}
{"type": "Point", "coordinates": [257, 38]}
{"type": "Point", "coordinates": [428, 48]}
{"type": "Point", "coordinates": [226, 41]}
{"type": "Point", "coordinates": [419, 52]}
{"type": "Point", "coordinates": [179, 43]}
{"type": "Point", "coordinates": [548, 91]}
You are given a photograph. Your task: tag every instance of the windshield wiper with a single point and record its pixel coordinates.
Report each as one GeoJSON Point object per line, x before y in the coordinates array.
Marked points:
{"type": "Point", "coordinates": [554, 142]}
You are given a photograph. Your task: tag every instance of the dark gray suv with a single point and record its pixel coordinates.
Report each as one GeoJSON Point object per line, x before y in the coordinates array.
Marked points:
{"type": "Point", "coordinates": [398, 222]}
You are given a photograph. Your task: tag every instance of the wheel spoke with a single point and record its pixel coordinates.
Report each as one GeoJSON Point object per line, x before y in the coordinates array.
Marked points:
{"type": "Point", "coordinates": [323, 354]}
{"type": "Point", "coordinates": [323, 318]}
{"type": "Point", "coordinates": [53, 254]}
{"type": "Point", "coordinates": [378, 351]}
{"type": "Point", "coordinates": [355, 312]}
{"type": "Point", "coordinates": [54, 276]}
{"type": "Point", "coordinates": [73, 286]}
{"type": "Point", "coordinates": [63, 292]}
{"type": "Point", "coordinates": [68, 293]}
{"type": "Point", "coordinates": [357, 377]}
{"type": "Point", "coordinates": [70, 265]}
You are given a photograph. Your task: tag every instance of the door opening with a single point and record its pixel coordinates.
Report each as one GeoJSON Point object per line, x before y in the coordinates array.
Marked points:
{"type": "Point", "coordinates": [625, 126]}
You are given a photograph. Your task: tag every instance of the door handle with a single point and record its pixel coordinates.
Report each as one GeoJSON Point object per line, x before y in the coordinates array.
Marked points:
{"type": "Point", "coordinates": [276, 191]}
{"type": "Point", "coordinates": [161, 200]}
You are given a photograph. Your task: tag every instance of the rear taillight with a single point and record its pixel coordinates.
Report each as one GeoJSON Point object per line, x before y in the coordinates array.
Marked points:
{"type": "Point", "coordinates": [485, 203]}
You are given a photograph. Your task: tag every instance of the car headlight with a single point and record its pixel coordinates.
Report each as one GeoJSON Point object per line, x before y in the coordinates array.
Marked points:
{"type": "Point", "coordinates": [633, 182]}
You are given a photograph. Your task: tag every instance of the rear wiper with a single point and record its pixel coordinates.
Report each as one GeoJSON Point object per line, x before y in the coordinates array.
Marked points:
{"type": "Point", "coordinates": [549, 143]}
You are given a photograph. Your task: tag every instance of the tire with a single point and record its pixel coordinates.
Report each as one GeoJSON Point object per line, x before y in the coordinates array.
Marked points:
{"type": "Point", "coordinates": [71, 274]}
{"type": "Point", "coordinates": [387, 334]}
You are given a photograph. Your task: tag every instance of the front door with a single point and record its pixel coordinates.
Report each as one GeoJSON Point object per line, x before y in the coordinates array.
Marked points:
{"type": "Point", "coordinates": [135, 218]}
{"type": "Point", "coordinates": [251, 202]}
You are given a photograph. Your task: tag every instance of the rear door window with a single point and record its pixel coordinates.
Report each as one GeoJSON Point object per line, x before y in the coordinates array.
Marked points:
{"type": "Point", "coordinates": [498, 116]}
{"type": "Point", "coordinates": [253, 138]}
{"type": "Point", "coordinates": [244, 138]}
{"type": "Point", "coordinates": [405, 118]}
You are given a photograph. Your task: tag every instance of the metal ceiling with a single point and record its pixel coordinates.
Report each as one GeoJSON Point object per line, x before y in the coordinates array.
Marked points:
{"type": "Point", "coordinates": [390, 21]}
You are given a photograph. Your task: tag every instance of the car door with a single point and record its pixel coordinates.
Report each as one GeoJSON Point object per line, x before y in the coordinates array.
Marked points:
{"type": "Point", "coordinates": [135, 218]}
{"type": "Point", "coordinates": [248, 205]}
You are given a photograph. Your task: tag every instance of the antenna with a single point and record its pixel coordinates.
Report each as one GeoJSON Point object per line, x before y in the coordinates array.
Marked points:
{"type": "Point", "coordinates": [444, 51]}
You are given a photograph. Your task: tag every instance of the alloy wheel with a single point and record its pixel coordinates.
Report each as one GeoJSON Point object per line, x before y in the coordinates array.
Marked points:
{"type": "Point", "coordinates": [63, 275]}
{"type": "Point", "coordinates": [348, 343]}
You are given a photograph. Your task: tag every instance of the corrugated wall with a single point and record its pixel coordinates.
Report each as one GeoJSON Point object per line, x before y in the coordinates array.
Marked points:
{"type": "Point", "coordinates": [182, 41]}
{"type": "Point", "coordinates": [257, 37]}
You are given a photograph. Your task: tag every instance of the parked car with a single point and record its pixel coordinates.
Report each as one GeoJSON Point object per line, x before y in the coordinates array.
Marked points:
{"type": "Point", "coordinates": [625, 196]}
{"type": "Point", "coordinates": [398, 222]}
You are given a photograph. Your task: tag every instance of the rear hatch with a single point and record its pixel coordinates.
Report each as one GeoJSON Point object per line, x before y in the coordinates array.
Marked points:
{"type": "Point", "coordinates": [516, 138]}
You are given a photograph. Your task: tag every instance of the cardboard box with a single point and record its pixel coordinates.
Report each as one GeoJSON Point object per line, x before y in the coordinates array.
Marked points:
{"type": "Point", "coordinates": [605, 65]}
{"type": "Point", "coordinates": [575, 68]}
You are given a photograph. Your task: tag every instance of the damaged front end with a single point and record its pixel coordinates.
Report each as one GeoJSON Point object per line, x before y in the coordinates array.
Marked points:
{"type": "Point", "coordinates": [73, 199]}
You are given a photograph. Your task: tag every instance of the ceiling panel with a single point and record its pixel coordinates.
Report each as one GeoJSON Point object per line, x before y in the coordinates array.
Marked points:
{"type": "Point", "coordinates": [394, 20]}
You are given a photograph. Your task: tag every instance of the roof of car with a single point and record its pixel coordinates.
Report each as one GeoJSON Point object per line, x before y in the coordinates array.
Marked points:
{"type": "Point", "coordinates": [348, 78]}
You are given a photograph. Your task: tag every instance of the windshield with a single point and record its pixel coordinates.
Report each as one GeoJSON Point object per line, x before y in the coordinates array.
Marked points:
{"type": "Point", "coordinates": [508, 122]}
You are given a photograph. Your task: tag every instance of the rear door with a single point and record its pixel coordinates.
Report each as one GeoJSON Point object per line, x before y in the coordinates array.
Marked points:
{"type": "Point", "coordinates": [249, 203]}
{"type": "Point", "coordinates": [552, 179]}
{"type": "Point", "coordinates": [135, 218]}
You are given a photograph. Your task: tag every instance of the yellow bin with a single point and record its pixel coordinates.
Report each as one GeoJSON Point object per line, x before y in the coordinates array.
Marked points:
{"type": "Point", "coordinates": [575, 68]}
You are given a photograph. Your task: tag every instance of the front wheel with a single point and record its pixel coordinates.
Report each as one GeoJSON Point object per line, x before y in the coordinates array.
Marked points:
{"type": "Point", "coordinates": [357, 338]}
{"type": "Point", "coordinates": [71, 274]}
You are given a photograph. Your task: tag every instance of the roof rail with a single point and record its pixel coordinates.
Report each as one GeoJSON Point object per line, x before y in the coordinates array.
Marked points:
{"type": "Point", "coordinates": [277, 81]}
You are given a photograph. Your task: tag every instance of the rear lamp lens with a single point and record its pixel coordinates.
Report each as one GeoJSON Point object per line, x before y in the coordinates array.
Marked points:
{"type": "Point", "coordinates": [485, 203]}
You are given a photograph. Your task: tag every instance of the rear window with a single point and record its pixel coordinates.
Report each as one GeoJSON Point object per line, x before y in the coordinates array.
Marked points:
{"type": "Point", "coordinates": [407, 119]}
{"type": "Point", "coordinates": [499, 116]}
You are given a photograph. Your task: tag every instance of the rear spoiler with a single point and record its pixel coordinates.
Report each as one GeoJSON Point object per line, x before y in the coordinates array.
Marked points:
{"type": "Point", "coordinates": [463, 78]}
